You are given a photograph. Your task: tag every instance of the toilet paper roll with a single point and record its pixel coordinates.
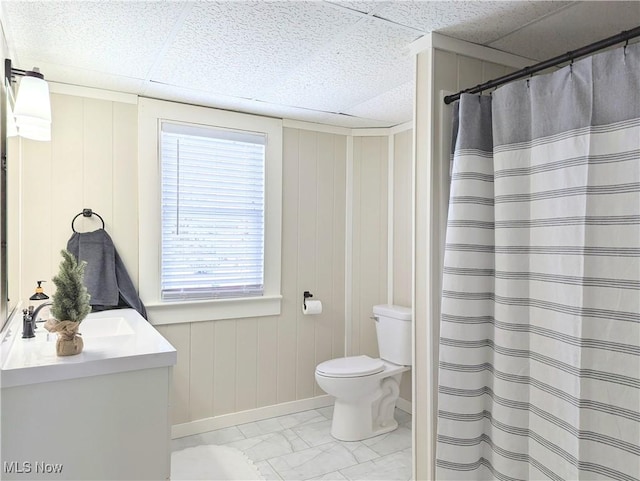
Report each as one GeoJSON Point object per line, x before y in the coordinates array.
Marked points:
{"type": "Point", "coordinates": [312, 307]}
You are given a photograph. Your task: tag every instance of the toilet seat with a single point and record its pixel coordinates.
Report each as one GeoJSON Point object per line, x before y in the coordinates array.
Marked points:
{"type": "Point", "coordinates": [353, 366]}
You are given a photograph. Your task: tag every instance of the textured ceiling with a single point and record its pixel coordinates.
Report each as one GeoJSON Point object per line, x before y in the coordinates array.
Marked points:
{"type": "Point", "coordinates": [337, 62]}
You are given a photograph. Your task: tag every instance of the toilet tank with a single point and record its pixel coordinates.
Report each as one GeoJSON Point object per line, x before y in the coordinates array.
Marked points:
{"type": "Point", "coordinates": [393, 328]}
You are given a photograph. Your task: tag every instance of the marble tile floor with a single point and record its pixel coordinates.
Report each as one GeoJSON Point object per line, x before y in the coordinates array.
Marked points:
{"type": "Point", "coordinates": [300, 447]}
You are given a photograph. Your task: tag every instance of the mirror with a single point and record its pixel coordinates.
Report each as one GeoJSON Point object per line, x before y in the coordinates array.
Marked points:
{"type": "Point", "coordinates": [9, 216]}
{"type": "Point", "coordinates": [4, 284]}
{"type": "Point", "coordinates": [13, 225]}
{"type": "Point", "coordinates": [34, 120]}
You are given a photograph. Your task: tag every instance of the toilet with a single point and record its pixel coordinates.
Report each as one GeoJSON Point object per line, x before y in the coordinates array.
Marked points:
{"type": "Point", "coordinates": [366, 389]}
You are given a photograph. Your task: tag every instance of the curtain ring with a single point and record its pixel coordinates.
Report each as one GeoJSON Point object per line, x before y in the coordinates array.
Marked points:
{"type": "Point", "coordinates": [624, 52]}
{"type": "Point", "coordinates": [571, 68]}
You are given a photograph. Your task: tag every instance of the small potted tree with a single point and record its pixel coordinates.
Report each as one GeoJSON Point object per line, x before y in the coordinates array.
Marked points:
{"type": "Point", "coordinates": [70, 305]}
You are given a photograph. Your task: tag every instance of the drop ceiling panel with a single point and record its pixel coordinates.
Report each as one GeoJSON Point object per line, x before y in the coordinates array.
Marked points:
{"type": "Point", "coordinates": [121, 38]}
{"type": "Point", "coordinates": [580, 24]}
{"type": "Point", "coordinates": [394, 106]}
{"type": "Point", "coordinates": [329, 62]}
{"type": "Point", "coordinates": [87, 78]}
{"type": "Point", "coordinates": [195, 97]}
{"type": "Point", "coordinates": [478, 22]}
{"type": "Point", "coordinates": [244, 48]}
{"type": "Point", "coordinates": [365, 6]}
{"type": "Point", "coordinates": [361, 64]}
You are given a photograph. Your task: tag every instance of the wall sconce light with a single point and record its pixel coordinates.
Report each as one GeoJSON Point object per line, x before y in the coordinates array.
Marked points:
{"type": "Point", "coordinates": [12, 128]}
{"type": "Point", "coordinates": [32, 109]}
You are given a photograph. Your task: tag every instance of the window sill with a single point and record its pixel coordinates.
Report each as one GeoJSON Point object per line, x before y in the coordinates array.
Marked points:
{"type": "Point", "coordinates": [212, 310]}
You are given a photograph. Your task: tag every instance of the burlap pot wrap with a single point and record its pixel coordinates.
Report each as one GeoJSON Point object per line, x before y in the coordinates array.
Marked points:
{"type": "Point", "coordinates": [69, 341]}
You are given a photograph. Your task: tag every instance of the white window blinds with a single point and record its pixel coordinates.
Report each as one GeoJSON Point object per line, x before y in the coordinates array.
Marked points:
{"type": "Point", "coordinates": [213, 186]}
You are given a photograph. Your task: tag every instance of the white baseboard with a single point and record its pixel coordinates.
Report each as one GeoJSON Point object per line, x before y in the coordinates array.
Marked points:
{"type": "Point", "coordinates": [226, 420]}
{"type": "Point", "coordinates": [404, 405]}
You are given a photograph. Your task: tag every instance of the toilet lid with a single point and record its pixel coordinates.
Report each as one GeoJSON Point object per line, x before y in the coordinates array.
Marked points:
{"type": "Point", "coordinates": [350, 366]}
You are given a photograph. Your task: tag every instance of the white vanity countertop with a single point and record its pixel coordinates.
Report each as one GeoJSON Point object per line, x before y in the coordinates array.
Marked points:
{"type": "Point", "coordinates": [115, 341]}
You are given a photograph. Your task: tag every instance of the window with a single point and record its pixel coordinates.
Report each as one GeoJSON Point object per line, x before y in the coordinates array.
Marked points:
{"type": "Point", "coordinates": [212, 212]}
{"type": "Point", "coordinates": [210, 208]}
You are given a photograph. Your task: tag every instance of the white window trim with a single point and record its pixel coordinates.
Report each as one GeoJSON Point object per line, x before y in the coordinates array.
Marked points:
{"type": "Point", "coordinates": [150, 113]}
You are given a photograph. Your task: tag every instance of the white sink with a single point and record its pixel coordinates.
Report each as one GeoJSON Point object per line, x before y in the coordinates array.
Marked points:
{"type": "Point", "coordinates": [104, 327]}
{"type": "Point", "coordinates": [114, 341]}
{"type": "Point", "coordinates": [124, 358]}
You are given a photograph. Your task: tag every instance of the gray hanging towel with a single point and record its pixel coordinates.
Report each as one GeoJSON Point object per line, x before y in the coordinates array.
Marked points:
{"type": "Point", "coordinates": [105, 276]}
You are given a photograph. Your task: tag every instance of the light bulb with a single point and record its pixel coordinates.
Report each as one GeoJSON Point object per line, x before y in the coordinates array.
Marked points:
{"type": "Point", "coordinates": [33, 108]}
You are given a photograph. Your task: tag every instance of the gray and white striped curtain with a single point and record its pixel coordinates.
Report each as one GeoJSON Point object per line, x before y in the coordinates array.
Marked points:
{"type": "Point", "coordinates": [540, 333]}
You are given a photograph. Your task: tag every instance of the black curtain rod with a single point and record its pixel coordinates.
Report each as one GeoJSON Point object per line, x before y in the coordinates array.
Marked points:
{"type": "Point", "coordinates": [527, 71]}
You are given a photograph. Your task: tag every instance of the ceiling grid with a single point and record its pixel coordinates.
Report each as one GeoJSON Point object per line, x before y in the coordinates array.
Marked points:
{"type": "Point", "coordinates": [343, 63]}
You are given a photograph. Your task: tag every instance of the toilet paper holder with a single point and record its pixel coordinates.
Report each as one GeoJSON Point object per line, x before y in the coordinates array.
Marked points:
{"type": "Point", "coordinates": [306, 295]}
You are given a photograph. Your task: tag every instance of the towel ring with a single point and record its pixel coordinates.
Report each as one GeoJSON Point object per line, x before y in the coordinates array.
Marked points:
{"type": "Point", "coordinates": [86, 213]}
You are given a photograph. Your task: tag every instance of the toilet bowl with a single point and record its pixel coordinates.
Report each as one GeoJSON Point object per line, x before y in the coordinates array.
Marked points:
{"type": "Point", "coordinates": [366, 389]}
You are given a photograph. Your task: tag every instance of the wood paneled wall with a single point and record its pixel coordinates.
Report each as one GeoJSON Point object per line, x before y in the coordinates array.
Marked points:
{"type": "Point", "coordinates": [403, 231]}
{"type": "Point", "coordinates": [235, 365]}
{"type": "Point", "coordinates": [227, 366]}
{"type": "Point", "coordinates": [370, 236]}
{"type": "Point", "coordinates": [370, 223]}
{"type": "Point", "coordinates": [402, 217]}
{"type": "Point", "coordinates": [91, 162]}
{"type": "Point", "coordinates": [223, 366]}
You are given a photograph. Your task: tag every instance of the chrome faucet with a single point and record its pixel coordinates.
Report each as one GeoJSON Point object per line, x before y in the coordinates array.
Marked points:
{"type": "Point", "coordinates": [29, 319]}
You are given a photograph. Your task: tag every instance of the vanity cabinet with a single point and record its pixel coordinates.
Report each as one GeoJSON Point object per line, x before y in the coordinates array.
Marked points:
{"type": "Point", "coordinates": [103, 414]}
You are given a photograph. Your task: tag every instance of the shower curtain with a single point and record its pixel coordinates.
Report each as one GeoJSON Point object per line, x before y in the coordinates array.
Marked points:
{"type": "Point", "coordinates": [539, 374]}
